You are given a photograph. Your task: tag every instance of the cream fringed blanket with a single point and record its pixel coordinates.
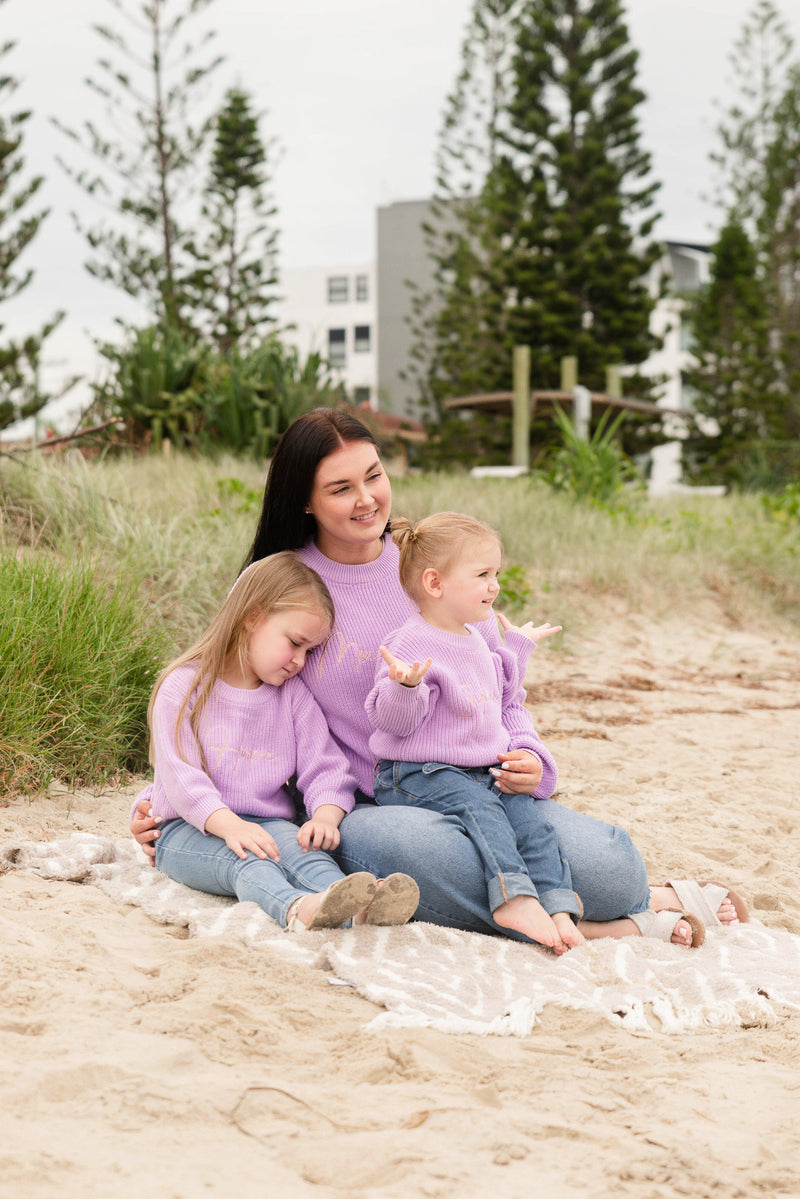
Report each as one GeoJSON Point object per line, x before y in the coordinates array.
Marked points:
{"type": "Point", "coordinates": [458, 982]}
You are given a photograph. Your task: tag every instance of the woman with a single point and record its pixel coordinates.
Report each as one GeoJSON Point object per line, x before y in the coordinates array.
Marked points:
{"type": "Point", "coordinates": [328, 497]}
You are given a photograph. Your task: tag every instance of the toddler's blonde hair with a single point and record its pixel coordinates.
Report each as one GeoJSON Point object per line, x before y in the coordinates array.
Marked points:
{"type": "Point", "coordinates": [435, 542]}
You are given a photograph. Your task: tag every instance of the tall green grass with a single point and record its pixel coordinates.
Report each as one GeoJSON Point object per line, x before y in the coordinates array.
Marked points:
{"type": "Point", "coordinates": [79, 659]}
{"type": "Point", "coordinates": [109, 568]}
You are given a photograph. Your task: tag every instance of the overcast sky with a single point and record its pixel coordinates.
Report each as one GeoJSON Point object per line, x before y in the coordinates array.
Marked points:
{"type": "Point", "coordinates": [354, 91]}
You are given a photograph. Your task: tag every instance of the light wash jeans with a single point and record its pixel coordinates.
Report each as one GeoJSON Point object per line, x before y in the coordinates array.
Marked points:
{"type": "Point", "coordinates": [517, 847]}
{"type": "Point", "coordinates": [606, 867]}
{"type": "Point", "coordinates": [205, 863]}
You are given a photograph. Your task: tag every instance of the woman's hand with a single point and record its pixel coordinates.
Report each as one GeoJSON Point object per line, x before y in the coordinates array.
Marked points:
{"type": "Point", "coordinates": [520, 772]}
{"type": "Point", "coordinates": [144, 826]}
{"type": "Point", "coordinates": [322, 830]}
{"type": "Point", "coordinates": [400, 672]}
{"type": "Point", "coordinates": [242, 836]}
{"type": "Point", "coordinates": [529, 630]}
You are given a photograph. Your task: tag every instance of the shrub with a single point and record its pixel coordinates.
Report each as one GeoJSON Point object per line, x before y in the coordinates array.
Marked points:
{"type": "Point", "coordinates": [595, 468]}
{"type": "Point", "coordinates": [251, 398]}
{"type": "Point", "coordinates": [155, 385]}
{"type": "Point", "coordinates": [165, 383]}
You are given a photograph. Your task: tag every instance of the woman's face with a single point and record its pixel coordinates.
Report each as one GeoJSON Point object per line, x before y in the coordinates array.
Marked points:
{"type": "Point", "coordinates": [350, 501]}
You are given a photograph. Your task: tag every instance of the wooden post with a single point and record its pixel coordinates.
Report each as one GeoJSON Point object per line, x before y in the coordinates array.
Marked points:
{"type": "Point", "coordinates": [569, 373]}
{"type": "Point", "coordinates": [614, 382]}
{"type": "Point", "coordinates": [521, 413]}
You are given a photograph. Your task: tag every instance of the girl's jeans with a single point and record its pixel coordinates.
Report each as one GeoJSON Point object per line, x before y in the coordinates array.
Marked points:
{"type": "Point", "coordinates": [517, 847]}
{"type": "Point", "coordinates": [607, 869]}
{"type": "Point", "coordinates": [205, 862]}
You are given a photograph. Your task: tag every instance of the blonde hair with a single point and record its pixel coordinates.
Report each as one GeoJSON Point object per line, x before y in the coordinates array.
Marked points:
{"type": "Point", "coordinates": [435, 542]}
{"type": "Point", "coordinates": [278, 583]}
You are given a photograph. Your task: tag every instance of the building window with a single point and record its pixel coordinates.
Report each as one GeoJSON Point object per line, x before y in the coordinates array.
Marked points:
{"type": "Point", "coordinates": [361, 395]}
{"type": "Point", "coordinates": [362, 288]}
{"type": "Point", "coordinates": [337, 347]}
{"type": "Point", "coordinates": [338, 289]}
{"type": "Point", "coordinates": [361, 341]}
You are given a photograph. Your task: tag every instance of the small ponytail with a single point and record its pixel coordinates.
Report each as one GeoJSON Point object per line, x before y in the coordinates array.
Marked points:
{"type": "Point", "coordinates": [403, 532]}
{"type": "Point", "coordinates": [436, 541]}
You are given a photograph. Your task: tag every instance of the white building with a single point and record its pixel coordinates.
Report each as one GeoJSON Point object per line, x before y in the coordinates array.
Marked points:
{"type": "Point", "coordinates": [332, 310]}
{"type": "Point", "coordinates": [356, 316]}
{"type": "Point", "coordinates": [685, 268]}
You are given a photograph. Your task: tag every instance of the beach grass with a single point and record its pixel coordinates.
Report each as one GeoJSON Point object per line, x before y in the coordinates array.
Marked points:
{"type": "Point", "coordinates": [117, 564]}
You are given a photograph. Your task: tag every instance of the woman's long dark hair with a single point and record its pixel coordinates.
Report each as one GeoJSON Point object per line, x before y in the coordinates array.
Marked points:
{"type": "Point", "coordinates": [284, 523]}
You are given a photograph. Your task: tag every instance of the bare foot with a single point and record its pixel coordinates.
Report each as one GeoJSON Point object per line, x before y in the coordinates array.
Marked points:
{"type": "Point", "coordinates": [306, 908]}
{"type": "Point", "coordinates": [526, 915]}
{"type": "Point", "coordinates": [664, 899]}
{"type": "Point", "coordinates": [593, 930]}
{"type": "Point", "coordinates": [682, 934]}
{"type": "Point", "coordinates": [568, 931]}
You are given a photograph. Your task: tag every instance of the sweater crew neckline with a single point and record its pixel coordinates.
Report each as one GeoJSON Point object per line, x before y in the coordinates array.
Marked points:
{"type": "Point", "coordinates": [354, 573]}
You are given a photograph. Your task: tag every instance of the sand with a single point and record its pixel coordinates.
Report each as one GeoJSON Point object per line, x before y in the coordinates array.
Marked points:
{"type": "Point", "coordinates": [137, 1060]}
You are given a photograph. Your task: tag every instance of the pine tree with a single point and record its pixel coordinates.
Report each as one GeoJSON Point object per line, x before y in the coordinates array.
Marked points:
{"type": "Point", "coordinates": [755, 294]}
{"type": "Point", "coordinates": [579, 182]}
{"type": "Point", "coordinates": [731, 346]}
{"type": "Point", "coordinates": [459, 323]}
{"type": "Point", "coordinates": [549, 242]}
{"type": "Point", "coordinates": [148, 150]}
{"type": "Point", "coordinates": [20, 392]}
{"type": "Point", "coordinates": [779, 230]}
{"type": "Point", "coordinates": [759, 59]}
{"type": "Point", "coordinates": [233, 285]}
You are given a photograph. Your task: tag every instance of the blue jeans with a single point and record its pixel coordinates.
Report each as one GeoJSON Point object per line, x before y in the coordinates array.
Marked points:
{"type": "Point", "coordinates": [607, 869]}
{"type": "Point", "coordinates": [205, 863]}
{"type": "Point", "coordinates": [517, 847]}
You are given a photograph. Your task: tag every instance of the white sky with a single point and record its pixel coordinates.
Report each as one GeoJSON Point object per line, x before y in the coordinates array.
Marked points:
{"type": "Point", "coordinates": [354, 91]}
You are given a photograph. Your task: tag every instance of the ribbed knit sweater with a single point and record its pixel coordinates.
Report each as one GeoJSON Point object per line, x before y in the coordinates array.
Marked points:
{"type": "Point", "coordinates": [253, 741]}
{"type": "Point", "coordinates": [370, 604]}
{"type": "Point", "coordinates": [455, 714]}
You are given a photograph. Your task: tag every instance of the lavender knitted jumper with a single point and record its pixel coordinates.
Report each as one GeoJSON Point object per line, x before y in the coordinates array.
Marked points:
{"type": "Point", "coordinates": [253, 741]}
{"type": "Point", "coordinates": [370, 605]}
{"type": "Point", "coordinates": [455, 714]}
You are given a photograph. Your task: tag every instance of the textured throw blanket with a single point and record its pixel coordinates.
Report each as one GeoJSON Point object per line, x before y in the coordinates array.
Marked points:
{"type": "Point", "coordinates": [425, 976]}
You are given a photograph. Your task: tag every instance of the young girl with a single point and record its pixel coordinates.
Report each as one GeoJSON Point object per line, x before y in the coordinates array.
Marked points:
{"type": "Point", "coordinates": [440, 723]}
{"type": "Point", "coordinates": [230, 724]}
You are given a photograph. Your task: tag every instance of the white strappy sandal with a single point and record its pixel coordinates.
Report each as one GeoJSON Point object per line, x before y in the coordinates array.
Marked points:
{"type": "Point", "coordinates": [661, 925]}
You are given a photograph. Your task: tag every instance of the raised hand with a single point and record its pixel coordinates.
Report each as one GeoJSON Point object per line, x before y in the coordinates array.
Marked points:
{"type": "Point", "coordinates": [401, 672]}
{"type": "Point", "coordinates": [529, 630]}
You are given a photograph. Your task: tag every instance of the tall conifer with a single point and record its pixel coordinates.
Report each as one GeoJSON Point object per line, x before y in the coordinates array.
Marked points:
{"type": "Point", "coordinates": [551, 244]}
{"type": "Point", "coordinates": [20, 392]}
{"type": "Point", "coordinates": [747, 324]}
{"type": "Point", "coordinates": [232, 288]}
{"type": "Point", "coordinates": [733, 362]}
{"type": "Point", "coordinates": [147, 144]}
{"type": "Point", "coordinates": [579, 181]}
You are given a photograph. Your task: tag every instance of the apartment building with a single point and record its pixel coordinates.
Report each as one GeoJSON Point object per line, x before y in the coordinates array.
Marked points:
{"type": "Point", "coordinates": [332, 310]}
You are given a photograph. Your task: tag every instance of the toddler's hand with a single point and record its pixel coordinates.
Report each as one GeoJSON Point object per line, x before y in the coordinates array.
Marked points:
{"type": "Point", "coordinates": [400, 672]}
{"type": "Point", "coordinates": [318, 834]}
{"type": "Point", "coordinates": [529, 630]}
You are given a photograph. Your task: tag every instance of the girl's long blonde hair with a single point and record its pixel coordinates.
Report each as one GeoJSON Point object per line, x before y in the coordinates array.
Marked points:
{"type": "Point", "coordinates": [435, 542]}
{"type": "Point", "coordinates": [278, 583]}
